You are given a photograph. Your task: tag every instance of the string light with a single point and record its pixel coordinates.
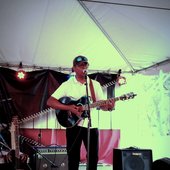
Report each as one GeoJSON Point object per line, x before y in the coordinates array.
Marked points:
{"type": "Point", "coordinates": [121, 80]}
{"type": "Point", "coordinates": [21, 74]}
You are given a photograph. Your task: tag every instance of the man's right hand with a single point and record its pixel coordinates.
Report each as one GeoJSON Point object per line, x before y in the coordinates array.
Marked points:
{"type": "Point", "coordinates": [8, 157]}
{"type": "Point", "coordinates": [77, 110]}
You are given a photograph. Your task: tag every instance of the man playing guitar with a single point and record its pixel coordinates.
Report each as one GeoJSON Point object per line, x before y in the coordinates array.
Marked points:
{"type": "Point", "coordinates": [75, 88]}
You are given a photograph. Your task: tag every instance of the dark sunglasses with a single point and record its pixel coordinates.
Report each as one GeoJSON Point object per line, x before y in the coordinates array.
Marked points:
{"type": "Point", "coordinates": [79, 59]}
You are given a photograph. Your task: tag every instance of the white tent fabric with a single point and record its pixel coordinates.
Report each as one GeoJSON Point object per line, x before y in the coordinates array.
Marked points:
{"type": "Point", "coordinates": [128, 35]}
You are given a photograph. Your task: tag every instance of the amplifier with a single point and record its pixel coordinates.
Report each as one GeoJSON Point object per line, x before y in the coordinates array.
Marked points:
{"type": "Point", "coordinates": [47, 158]}
{"type": "Point", "coordinates": [132, 159]}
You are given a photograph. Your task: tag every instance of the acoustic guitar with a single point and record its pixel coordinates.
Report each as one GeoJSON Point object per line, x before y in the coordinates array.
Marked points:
{"type": "Point", "coordinates": [68, 119]}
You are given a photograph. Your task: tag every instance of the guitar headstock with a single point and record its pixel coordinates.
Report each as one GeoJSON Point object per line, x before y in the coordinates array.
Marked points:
{"type": "Point", "coordinates": [127, 96]}
{"type": "Point", "coordinates": [14, 123]}
{"type": "Point", "coordinates": [119, 81]}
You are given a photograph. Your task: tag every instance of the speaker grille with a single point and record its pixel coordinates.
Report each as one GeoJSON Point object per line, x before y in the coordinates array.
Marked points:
{"type": "Point", "coordinates": [134, 162]}
{"type": "Point", "coordinates": [132, 159]}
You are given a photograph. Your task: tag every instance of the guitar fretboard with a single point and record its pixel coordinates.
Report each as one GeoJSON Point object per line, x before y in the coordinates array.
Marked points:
{"type": "Point", "coordinates": [30, 141]}
{"type": "Point", "coordinates": [31, 117]}
{"type": "Point", "coordinates": [14, 129]}
{"type": "Point", "coordinates": [102, 102]}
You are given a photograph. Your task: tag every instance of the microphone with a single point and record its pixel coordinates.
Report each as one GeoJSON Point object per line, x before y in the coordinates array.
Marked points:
{"type": "Point", "coordinates": [85, 73]}
{"type": "Point", "coordinates": [119, 72]}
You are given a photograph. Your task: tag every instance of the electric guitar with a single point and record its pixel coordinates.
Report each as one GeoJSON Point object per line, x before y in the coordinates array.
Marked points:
{"type": "Point", "coordinates": [68, 119]}
{"type": "Point", "coordinates": [15, 152]}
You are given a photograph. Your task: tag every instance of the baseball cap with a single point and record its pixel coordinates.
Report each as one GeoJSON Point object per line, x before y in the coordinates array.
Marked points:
{"type": "Point", "coordinates": [79, 59]}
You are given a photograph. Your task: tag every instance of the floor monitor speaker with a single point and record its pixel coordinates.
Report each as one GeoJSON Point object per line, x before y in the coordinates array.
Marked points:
{"type": "Point", "coordinates": [132, 159]}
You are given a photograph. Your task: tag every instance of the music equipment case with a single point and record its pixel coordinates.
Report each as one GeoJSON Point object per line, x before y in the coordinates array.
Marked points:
{"type": "Point", "coordinates": [161, 164]}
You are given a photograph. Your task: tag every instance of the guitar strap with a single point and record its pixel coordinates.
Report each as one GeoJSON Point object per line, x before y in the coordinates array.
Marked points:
{"type": "Point", "coordinates": [92, 91]}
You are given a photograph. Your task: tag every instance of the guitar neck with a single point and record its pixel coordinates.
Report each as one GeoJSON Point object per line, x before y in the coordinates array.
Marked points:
{"type": "Point", "coordinates": [102, 102]}
{"type": "Point", "coordinates": [31, 117]}
{"type": "Point", "coordinates": [15, 137]}
{"type": "Point", "coordinates": [30, 141]}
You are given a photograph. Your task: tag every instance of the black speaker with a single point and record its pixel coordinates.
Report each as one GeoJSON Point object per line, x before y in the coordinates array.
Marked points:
{"type": "Point", "coordinates": [132, 159]}
{"type": "Point", "coordinates": [161, 164]}
{"type": "Point", "coordinates": [47, 158]}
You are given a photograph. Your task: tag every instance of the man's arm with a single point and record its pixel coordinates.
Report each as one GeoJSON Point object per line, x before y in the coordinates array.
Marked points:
{"type": "Point", "coordinates": [55, 104]}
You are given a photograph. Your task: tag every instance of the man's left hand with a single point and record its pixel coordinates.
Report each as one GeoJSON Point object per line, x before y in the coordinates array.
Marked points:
{"type": "Point", "coordinates": [109, 105]}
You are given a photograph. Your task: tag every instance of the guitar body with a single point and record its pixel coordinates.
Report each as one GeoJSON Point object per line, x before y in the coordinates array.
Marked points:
{"type": "Point", "coordinates": [66, 118]}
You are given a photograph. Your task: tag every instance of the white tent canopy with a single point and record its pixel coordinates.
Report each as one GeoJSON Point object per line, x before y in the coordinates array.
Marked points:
{"type": "Point", "coordinates": [128, 35]}
{"type": "Point", "coordinates": [131, 35]}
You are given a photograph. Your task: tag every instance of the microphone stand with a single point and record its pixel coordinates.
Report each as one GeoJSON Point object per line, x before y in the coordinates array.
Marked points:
{"type": "Point", "coordinates": [89, 122]}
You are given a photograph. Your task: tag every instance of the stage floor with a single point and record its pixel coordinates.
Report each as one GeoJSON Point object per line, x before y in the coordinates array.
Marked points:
{"type": "Point", "coordinates": [99, 167]}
